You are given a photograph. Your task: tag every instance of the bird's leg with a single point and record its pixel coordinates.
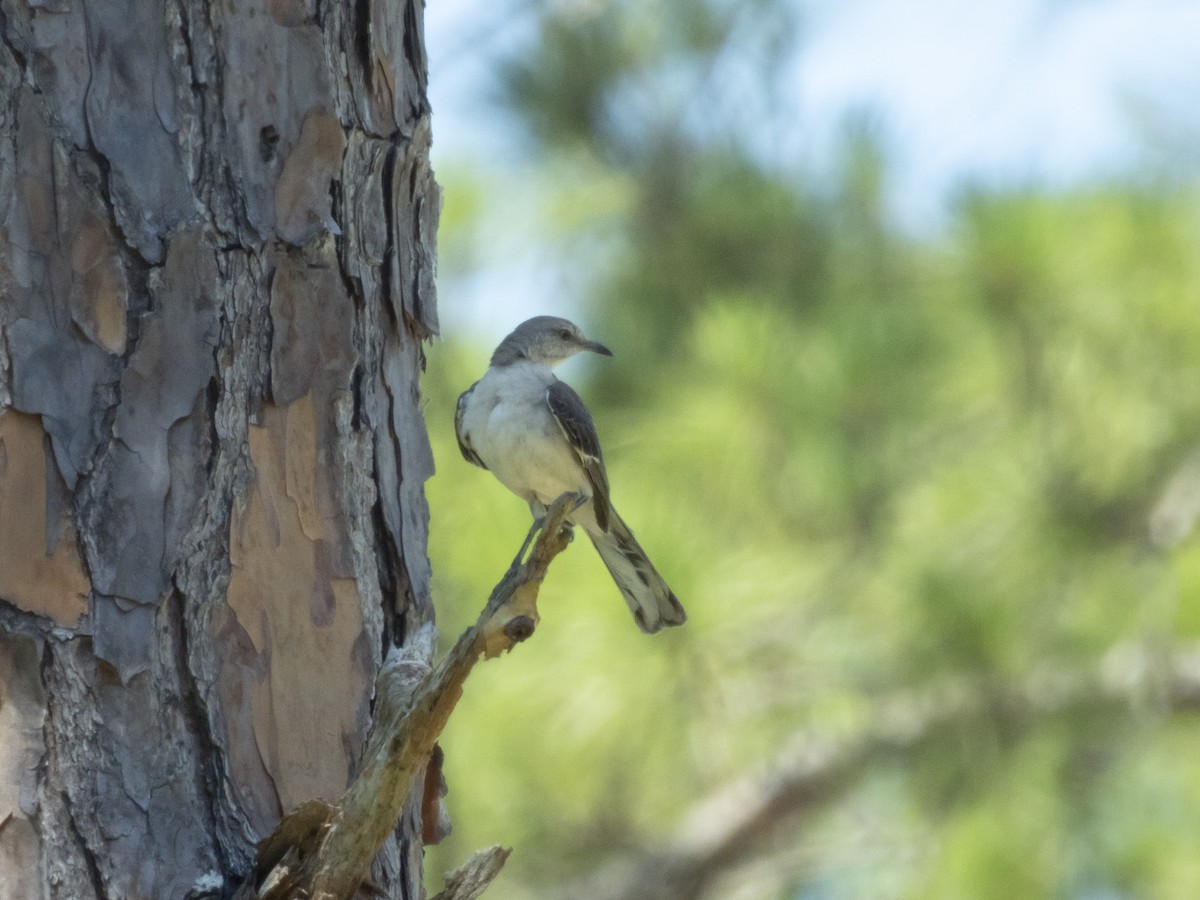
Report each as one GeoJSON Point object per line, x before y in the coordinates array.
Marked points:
{"type": "Point", "coordinates": [520, 557]}
{"type": "Point", "coordinates": [539, 519]}
{"type": "Point", "coordinates": [539, 510]}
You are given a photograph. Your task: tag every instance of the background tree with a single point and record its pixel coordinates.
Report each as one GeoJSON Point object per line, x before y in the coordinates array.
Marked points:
{"type": "Point", "coordinates": [929, 500]}
{"type": "Point", "coordinates": [216, 259]}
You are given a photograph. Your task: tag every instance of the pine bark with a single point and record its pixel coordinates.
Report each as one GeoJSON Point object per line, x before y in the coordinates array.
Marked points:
{"type": "Point", "coordinates": [217, 227]}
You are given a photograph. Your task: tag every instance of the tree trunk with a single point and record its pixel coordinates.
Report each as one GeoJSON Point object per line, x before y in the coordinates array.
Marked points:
{"type": "Point", "coordinates": [216, 258]}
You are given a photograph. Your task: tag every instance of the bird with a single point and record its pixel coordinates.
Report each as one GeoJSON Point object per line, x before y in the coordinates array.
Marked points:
{"type": "Point", "coordinates": [534, 433]}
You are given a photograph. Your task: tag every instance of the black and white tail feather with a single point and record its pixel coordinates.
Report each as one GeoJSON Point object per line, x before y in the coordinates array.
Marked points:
{"type": "Point", "coordinates": [651, 601]}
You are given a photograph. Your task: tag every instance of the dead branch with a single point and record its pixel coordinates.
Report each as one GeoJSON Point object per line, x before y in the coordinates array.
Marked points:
{"type": "Point", "coordinates": [736, 823]}
{"type": "Point", "coordinates": [470, 879]}
{"type": "Point", "coordinates": [324, 852]}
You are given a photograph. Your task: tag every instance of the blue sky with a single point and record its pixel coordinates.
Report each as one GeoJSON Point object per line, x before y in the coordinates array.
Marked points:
{"type": "Point", "coordinates": [1009, 90]}
{"type": "Point", "coordinates": [1049, 92]}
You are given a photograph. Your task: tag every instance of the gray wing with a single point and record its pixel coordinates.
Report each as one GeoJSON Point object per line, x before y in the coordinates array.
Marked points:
{"type": "Point", "coordinates": [580, 431]}
{"type": "Point", "coordinates": [464, 443]}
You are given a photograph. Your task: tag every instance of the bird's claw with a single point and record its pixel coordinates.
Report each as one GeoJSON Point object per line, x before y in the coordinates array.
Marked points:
{"type": "Point", "coordinates": [574, 500]}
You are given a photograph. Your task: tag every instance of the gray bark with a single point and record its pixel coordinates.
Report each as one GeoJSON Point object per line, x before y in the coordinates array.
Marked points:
{"type": "Point", "coordinates": [217, 231]}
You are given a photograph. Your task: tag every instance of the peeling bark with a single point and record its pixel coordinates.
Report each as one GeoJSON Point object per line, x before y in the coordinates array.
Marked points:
{"type": "Point", "coordinates": [217, 227]}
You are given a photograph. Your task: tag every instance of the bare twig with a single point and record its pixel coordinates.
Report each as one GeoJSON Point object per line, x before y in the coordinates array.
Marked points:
{"type": "Point", "coordinates": [322, 852]}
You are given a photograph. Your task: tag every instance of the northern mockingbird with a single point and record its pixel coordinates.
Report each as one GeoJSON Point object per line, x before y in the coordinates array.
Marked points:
{"type": "Point", "coordinates": [535, 435]}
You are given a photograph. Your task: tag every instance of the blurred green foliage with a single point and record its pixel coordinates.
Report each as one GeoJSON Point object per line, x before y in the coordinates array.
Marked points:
{"type": "Point", "coordinates": [865, 461]}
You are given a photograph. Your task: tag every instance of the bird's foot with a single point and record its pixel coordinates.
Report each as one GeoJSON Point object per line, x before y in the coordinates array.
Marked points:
{"type": "Point", "coordinates": [572, 501]}
{"type": "Point", "coordinates": [539, 523]}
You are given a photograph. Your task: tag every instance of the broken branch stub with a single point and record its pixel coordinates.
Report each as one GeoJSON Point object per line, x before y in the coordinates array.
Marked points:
{"type": "Point", "coordinates": [413, 706]}
{"type": "Point", "coordinates": [471, 879]}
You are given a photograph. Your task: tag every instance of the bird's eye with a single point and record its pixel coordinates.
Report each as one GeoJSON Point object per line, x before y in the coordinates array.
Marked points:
{"type": "Point", "coordinates": [565, 335]}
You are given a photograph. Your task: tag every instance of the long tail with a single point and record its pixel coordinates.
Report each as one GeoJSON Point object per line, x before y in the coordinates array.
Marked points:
{"type": "Point", "coordinates": [652, 603]}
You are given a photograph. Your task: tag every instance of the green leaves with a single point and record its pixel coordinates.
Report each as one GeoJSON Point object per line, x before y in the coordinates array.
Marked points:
{"type": "Point", "coordinates": [866, 462]}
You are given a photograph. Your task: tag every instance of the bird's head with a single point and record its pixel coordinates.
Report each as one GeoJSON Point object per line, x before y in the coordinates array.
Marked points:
{"type": "Point", "coordinates": [545, 339]}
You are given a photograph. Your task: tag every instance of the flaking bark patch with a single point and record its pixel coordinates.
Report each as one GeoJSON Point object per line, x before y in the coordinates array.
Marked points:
{"type": "Point", "coordinates": [40, 568]}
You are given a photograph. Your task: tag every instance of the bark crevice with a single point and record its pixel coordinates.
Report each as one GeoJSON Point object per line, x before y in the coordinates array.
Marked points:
{"type": "Point", "coordinates": [208, 770]}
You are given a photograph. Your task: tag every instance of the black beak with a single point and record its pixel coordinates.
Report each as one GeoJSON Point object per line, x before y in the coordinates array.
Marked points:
{"type": "Point", "coordinates": [597, 347]}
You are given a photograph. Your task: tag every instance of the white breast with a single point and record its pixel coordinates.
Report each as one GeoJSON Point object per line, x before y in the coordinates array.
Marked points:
{"type": "Point", "coordinates": [509, 425]}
